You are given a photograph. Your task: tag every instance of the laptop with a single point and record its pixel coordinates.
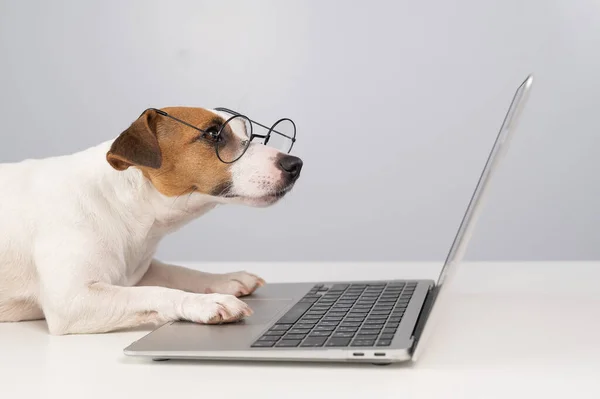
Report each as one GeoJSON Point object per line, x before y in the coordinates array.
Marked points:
{"type": "Point", "coordinates": [379, 322]}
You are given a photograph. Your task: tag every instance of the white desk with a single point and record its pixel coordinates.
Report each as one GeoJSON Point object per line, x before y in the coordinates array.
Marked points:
{"type": "Point", "coordinates": [511, 330]}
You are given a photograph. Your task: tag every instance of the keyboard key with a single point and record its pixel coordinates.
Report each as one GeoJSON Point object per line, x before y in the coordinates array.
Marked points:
{"type": "Point", "coordinates": [386, 336]}
{"type": "Point", "coordinates": [343, 334]}
{"type": "Point", "coordinates": [317, 308]}
{"type": "Point", "coordinates": [314, 341]}
{"type": "Point", "coordinates": [275, 333]}
{"type": "Point", "coordinates": [269, 338]}
{"type": "Point", "coordinates": [320, 334]}
{"type": "Point", "coordinates": [281, 327]}
{"type": "Point", "coordinates": [340, 287]}
{"type": "Point", "coordinates": [393, 324]}
{"type": "Point", "coordinates": [395, 319]}
{"type": "Point", "coordinates": [352, 329]}
{"type": "Point", "coordinates": [366, 336]}
{"type": "Point", "coordinates": [372, 327]}
{"type": "Point", "coordinates": [295, 336]}
{"type": "Point", "coordinates": [344, 309]}
{"type": "Point", "coordinates": [316, 312]}
{"type": "Point", "coordinates": [389, 330]}
{"type": "Point", "coordinates": [354, 319]}
{"type": "Point", "coordinates": [381, 313]}
{"type": "Point", "coordinates": [363, 342]}
{"type": "Point", "coordinates": [332, 318]}
{"type": "Point", "coordinates": [384, 342]}
{"type": "Point", "coordinates": [338, 314]}
{"type": "Point", "coordinates": [299, 331]}
{"type": "Point", "coordinates": [314, 317]}
{"type": "Point", "coordinates": [307, 301]}
{"type": "Point", "coordinates": [350, 324]}
{"type": "Point", "coordinates": [338, 342]}
{"type": "Point", "coordinates": [324, 328]}
{"type": "Point", "coordinates": [288, 343]}
{"type": "Point", "coordinates": [329, 323]}
{"type": "Point", "coordinates": [373, 322]}
{"type": "Point", "coordinates": [263, 344]}
{"type": "Point", "coordinates": [304, 325]}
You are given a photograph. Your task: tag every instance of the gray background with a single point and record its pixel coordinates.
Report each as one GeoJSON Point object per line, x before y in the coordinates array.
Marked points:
{"type": "Point", "coordinates": [397, 105]}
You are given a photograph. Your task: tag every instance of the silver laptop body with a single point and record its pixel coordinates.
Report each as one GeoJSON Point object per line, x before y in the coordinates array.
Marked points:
{"type": "Point", "coordinates": [273, 332]}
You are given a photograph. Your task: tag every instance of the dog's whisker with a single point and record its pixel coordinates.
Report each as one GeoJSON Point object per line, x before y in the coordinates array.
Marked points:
{"type": "Point", "coordinates": [188, 198]}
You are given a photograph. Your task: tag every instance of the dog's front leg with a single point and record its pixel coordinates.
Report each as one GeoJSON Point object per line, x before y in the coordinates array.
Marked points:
{"type": "Point", "coordinates": [78, 294]}
{"type": "Point", "coordinates": [181, 278]}
{"type": "Point", "coordinates": [102, 307]}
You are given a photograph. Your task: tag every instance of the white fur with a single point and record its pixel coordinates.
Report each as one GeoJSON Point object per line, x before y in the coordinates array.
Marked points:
{"type": "Point", "coordinates": [77, 240]}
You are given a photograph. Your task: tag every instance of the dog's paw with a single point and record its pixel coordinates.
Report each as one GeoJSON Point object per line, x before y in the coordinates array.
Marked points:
{"type": "Point", "coordinates": [238, 284]}
{"type": "Point", "coordinates": [215, 309]}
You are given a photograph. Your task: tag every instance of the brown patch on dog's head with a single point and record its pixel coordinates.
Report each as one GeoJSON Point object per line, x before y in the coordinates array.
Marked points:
{"type": "Point", "coordinates": [172, 155]}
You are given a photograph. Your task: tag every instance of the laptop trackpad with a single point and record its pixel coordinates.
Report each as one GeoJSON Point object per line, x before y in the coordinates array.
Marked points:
{"type": "Point", "coordinates": [266, 310]}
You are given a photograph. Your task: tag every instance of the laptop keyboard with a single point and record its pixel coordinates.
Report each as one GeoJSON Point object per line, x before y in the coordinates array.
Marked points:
{"type": "Point", "coordinates": [342, 315]}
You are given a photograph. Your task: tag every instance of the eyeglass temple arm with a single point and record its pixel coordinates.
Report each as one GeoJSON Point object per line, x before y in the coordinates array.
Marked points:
{"type": "Point", "coordinates": [163, 113]}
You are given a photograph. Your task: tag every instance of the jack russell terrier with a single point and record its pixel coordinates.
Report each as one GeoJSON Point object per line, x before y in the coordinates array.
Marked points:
{"type": "Point", "coordinates": [78, 233]}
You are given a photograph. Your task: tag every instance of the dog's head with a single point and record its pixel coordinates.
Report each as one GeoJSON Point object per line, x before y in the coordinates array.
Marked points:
{"type": "Point", "coordinates": [179, 159]}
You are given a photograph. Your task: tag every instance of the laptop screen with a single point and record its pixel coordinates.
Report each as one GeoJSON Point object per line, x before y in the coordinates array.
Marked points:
{"type": "Point", "coordinates": [463, 235]}
{"type": "Point", "coordinates": [465, 230]}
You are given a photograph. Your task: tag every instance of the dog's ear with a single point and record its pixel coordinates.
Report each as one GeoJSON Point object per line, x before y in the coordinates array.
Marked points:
{"type": "Point", "coordinates": [138, 145]}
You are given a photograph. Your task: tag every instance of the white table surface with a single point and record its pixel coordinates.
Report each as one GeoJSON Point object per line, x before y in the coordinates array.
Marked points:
{"type": "Point", "coordinates": [510, 330]}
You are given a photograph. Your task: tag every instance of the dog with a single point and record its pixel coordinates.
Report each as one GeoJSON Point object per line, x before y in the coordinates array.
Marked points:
{"type": "Point", "coordinates": [78, 233]}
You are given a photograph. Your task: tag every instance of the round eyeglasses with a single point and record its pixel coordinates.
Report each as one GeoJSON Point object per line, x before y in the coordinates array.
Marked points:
{"type": "Point", "coordinates": [230, 146]}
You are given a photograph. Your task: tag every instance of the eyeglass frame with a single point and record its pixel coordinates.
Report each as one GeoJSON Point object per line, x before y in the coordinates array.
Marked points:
{"type": "Point", "coordinates": [215, 136]}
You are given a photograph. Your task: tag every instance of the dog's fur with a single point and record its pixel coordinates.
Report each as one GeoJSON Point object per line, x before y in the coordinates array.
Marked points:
{"type": "Point", "coordinates": [78, 233]}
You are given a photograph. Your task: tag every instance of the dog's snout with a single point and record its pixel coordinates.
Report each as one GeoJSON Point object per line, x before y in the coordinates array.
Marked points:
{"type": "Point", "coordinates": [290, 165]}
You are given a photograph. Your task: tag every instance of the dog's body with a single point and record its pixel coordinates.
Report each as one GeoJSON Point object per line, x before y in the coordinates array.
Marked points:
{"type": "Point", "coordinates": [78, 233]}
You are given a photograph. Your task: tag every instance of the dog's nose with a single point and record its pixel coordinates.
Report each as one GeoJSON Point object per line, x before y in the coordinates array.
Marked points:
{"type": "Point", "coordinates": [291, 166]}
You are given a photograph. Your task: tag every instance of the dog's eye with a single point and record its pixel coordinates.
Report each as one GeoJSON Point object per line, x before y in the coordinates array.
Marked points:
{"type": "Point", "coordinates": [212, 133]}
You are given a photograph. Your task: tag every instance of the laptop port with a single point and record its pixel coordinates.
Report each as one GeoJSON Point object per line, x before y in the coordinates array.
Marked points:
{"type": "Point", "coordinates": [379, 353]}
{"type": "Point", "coordinates": [358, 354]}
